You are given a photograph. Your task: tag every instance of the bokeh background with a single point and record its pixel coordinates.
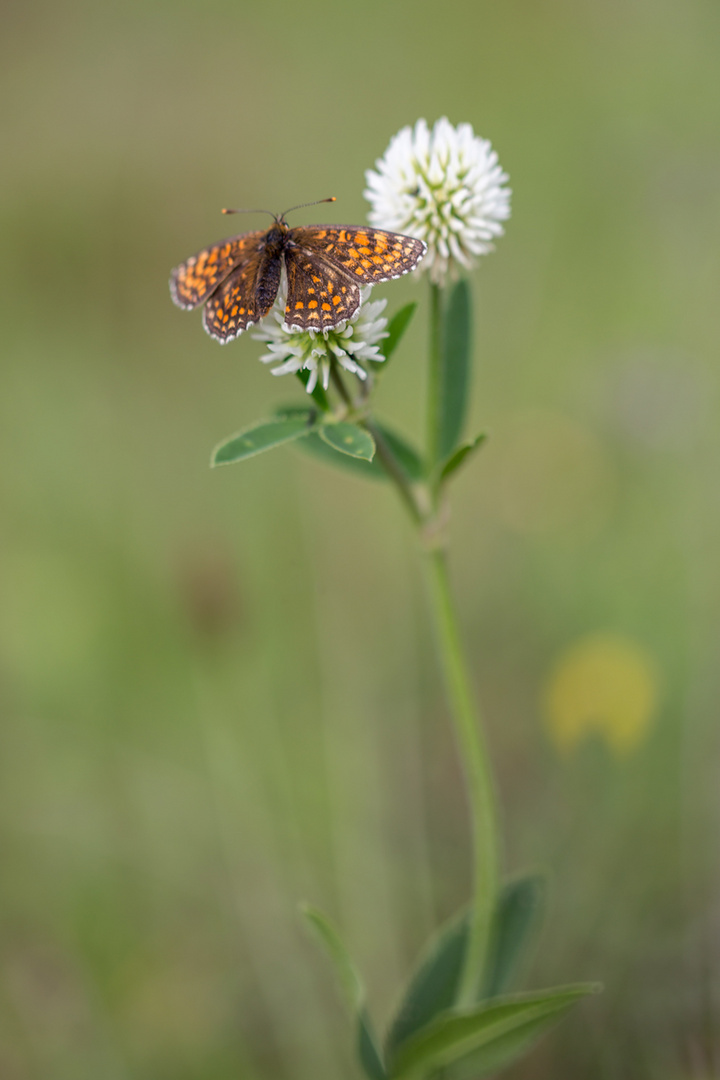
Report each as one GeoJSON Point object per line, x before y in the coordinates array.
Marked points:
{"type": "Point", "coordinates": [218, 691]}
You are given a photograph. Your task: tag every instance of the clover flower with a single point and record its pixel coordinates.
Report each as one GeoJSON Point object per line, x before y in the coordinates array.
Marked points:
{"type": "Point", "coordinates": [350, 344]}
{"type": "Point", "coordinates": [444, 186]}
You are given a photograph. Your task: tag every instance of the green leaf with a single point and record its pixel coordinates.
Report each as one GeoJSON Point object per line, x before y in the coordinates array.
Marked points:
{"type": "Point", "coordinates": [318, 394]}
{"type": "Point", "coordinates": [433, 986]}
{"type": "Point", "coordinates": [322, 451]}
{"type": "Point", "coordinates": [519, 915]}
{"type": "Point", "coordinates": [260, 437]}
{"type": "Point", "coordinates": [353, 990]}
{"type": "Point", "coordinates": [486, 1038]}
{"type": "Point", "coordinates": [367, 1048]}
{"type": "Point", "coordinates": [457, 458]}
{"type": "Point", "coordinates": [455, 367]}
{"type": "Point", "coordinates": [349, 439]}
{"type": "Point", "coordinates": [370, 470]}
{"type": "Point", "coordinates": [396, 329]}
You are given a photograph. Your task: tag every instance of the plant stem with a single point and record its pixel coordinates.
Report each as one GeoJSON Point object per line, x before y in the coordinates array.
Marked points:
{"type": "Point", "coordinates": [340, 386]}
{"type": "Point", "coordinates": [434, 389]}
{"type": "Point", "coordinates": [471, 742]}
{"type": "Point", "coordinates": [395, 471]}
{"type": "Point", "coordinates": [465, 713]}
{"type": "Point", "coordinates": [390, 463]}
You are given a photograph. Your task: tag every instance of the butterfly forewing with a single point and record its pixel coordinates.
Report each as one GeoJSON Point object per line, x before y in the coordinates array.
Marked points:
{"type": "Point", "coordinates": [365, 256]}
{"type": "Point", "coordinates": [318, 295]}
{"type": "Point", "coordinates": [234, 305]}
{"type": "Point", "coordinates": [195, 279]}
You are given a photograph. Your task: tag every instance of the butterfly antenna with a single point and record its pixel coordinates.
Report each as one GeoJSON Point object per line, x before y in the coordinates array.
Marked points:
{"type": "Point", "coordinates": [303, 205]}
{"type": "Point", "coordinates": [226, 211]}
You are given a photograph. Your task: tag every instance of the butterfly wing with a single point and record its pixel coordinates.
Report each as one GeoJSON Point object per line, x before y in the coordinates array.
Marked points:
{"type": "Point", "coordinates": [365, 256]}
{"type": "Point", "coordinates": [318, 295]}
{"type": "Point", "coordinates": [238, 302]}
{"type": "Point", "coordinates": [195, 279]}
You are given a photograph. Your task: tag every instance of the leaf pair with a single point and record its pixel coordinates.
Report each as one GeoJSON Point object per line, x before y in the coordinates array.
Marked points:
{"type": "Point", "coordinates": [338, 442]}
{"type": "Point", "coordinates": [342, 436]}
{"type": "Point", "coordinates": [428, 1035]}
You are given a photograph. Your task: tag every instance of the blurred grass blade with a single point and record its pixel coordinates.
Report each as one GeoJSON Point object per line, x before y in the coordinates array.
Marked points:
{"type": "Point", "coordinates": [456, 344]}
{"type": "Point", "coordinates": [347, 973]}
{"type": "Point", "coordinates": [396, 329]}
{"type": "Point", "coordinates": [349, 439]}
{"type": "Point", "coordinates": [519, 916]}
{"type": "Point", "coordinates": [432, 987]}
{"type": "Point", "coordinates": [353, 991]}
{"type": "Point", "coordinates": [260, 437]}
{"type": "Point", "coordinates": [486, 1038]}
{"type": "Point", "coordinates": [458, 456]}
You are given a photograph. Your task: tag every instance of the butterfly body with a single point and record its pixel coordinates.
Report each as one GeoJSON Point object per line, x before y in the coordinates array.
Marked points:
{"type": "Point", "coordinates": [238, 279]}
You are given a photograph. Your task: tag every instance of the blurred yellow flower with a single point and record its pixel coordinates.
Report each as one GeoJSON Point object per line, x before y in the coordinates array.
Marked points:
{"type": "Point", "coordinates": [605, 685]}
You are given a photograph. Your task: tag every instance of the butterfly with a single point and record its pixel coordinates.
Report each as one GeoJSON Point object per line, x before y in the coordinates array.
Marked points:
{"type": "Point", "coordinates": [238, 279]}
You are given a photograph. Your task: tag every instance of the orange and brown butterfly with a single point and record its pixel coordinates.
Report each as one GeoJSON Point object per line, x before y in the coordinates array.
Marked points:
{"type": "Point", "coordinates": [238, 279]}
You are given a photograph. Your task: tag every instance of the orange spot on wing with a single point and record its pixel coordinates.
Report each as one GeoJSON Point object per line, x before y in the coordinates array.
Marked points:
{"type": "Point", "coordinates": [326, 307]}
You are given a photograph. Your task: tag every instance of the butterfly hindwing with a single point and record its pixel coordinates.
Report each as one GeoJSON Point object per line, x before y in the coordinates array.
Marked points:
{"type": "Point", "coordinates": [195, 279]}
{"type": "Point", "coordinates": [318, 295]}
{"type": "Point", "coordinates": [234, 305]}
{"type": "Point", "coordinates": [365, 256]}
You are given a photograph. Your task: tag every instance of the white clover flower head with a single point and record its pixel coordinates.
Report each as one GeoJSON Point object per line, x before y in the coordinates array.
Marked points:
{"type": "Point", "coordinates": [444, 186]}
{"type": "Point", "coordinates": [350, 344]}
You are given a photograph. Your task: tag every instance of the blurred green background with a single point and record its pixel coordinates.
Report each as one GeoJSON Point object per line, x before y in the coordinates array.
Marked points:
{"type": "Point", "coordinates": [218, 692]}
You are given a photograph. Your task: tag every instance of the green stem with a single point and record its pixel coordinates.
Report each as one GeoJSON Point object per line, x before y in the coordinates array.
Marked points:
{"type": "Point", "coordinates": [389, 462]}
{"type": "Point", "coordinates": [339, 384]}
{"type": "Point", "coordinates": [396, 472]}
{"type": "Point", "coordinates": [470, 738]}
{"type": "Point", "coordinates": [465, 713]}
{"type": "Point", "coordinates": [434, 390]}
